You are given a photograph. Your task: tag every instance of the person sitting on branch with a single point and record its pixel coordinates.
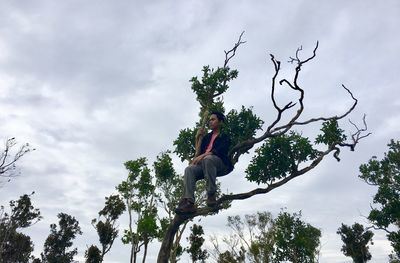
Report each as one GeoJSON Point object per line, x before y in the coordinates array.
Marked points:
{"type": "Point", "coordinates": [211, 162]}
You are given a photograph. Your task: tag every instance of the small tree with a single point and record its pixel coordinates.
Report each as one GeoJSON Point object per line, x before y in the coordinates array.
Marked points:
{"type": "Point", "coordinates": [295, 240]}
{"type": "Point", "coordinates": [260, 238]}
{"type": "Point", "coordinates": [138, 191]}
{"type": "Point", "coordinates": [15, 246]}
{"type": "Point", "coordinates": [106, 228]}
{"type": "Point", "coordinates": [196, 241]}
{"type": "Point", "coordinates": [284, 153]}
{"type": "Point", "coordinates": [385, 174]}
{"type": "Point", "coordinates": [356, 240]}
{"type": "Point", "coordinates": [60, 240]}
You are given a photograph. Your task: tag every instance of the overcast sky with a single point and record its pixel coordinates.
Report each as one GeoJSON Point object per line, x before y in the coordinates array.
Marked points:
{"type": "Point", "coordinates": [92, 84]}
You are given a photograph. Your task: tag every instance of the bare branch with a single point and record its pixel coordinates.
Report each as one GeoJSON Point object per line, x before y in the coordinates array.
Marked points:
{"type": "Point", "coordinates": [7, 161]}
{"type": "Point", "coordinates": [357, 135]}
{"type": "Point", "coordinates": [231, 53]}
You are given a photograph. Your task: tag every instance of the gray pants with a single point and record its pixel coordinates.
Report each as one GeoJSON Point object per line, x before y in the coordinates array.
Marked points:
{"type": "Point", "coordinates": [209, 169]}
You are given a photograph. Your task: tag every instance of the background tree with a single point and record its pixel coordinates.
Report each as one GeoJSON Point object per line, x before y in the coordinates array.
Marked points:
{"type": "Point", "coordinates": [356, 240]}
{"type": "Point", "coordinates": [138, 191]}
{"type": "Point", "coordinates": [60, 240]}
{"type": "Point", "coordinates": [278, 139]}
{"type": "Point", "coordinates": [14, 245]}
{"type": "Point", "coordinates": [260, 238]}
{"type": "Point", "coordinates": [385, 174]}
{"type": "Point", "coordinates": [251, 238]}
{"type": "Point", "coordinates": [9, 157]}
{"type": "Point", "coordinates": [295, 240]}
{"type": "Point", "coordinates": [196, 241]}
{"type": "Point", "coordinates": [106, 228]}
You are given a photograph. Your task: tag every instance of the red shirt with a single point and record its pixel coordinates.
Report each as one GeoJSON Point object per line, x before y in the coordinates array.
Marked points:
{"type": "Point", "coordinates": [210, 145]}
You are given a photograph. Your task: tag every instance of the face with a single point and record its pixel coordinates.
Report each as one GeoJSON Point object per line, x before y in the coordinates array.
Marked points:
{"type": "Point", "coordinates": [213, 122]}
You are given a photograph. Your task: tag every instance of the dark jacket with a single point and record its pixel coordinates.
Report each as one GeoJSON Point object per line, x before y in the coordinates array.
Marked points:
{"type": "Point", "coordinates": [220, 148]}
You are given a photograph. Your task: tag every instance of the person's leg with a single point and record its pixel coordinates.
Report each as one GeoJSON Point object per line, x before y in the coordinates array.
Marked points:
{"type": "Point", "coordinates": [212, 167]}
{"type": "Point", "coordinates": [193, 173]}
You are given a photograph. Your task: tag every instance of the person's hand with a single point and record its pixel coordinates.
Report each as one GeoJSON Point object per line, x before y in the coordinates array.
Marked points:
{"type": "Point", "coordinates": [197, 159]}
{"type": "Point", "coordinates": [200, 132]}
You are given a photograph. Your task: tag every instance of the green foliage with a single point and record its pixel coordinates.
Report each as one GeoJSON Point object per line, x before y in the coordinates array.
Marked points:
{"type": "Point", "coordinates": [213, 82]}
{"type": "Point", "coordinates": [185, 144]}
{"type": "Point", "coordinates": [147, 225]}
{"type": "Point", "coordinates": [229, 257]}
{"type": "Point", "coordinates": [262, 246]}
{"type": "Point", "coordinates": [278, 157]}
{"type": "Point", "coordinates": [114, 207]}
{"type": "Point", "coordinates": [385, 174]}
{"type": "Point", "coordinates": [93, 255]}
{"type": "Point", "coordinates": [196, 241]}
{"type": "Point", "coordinates": [295, 240]}
{"type": "Point", "coordinates": [331, 133]}
{"type": "Point", "coordinates": [242, 126]}
{"type": "Point", "coordinates": [15, 246]}
{"type": "Point", "coordinates": [163, 167]}
{"type": "Point", "coordinates": [356, 240]}
{"type": "Point", "coordinates": [169, 185]}
{"type": "Point", "coordinates": [106, 229]}
{"type": "Point", "coordinates": [261, 238]}
{"type": "Point", "coordinates": [138, 187]}
{"type": "Point", "coordinates": [138, 191]}
{"type": "Point", "coordinates": [60, 239]}
{"type": "Point", "coordinates": [23, 213]}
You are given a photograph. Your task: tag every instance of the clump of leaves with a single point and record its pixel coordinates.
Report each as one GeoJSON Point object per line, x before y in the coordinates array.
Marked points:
{"type": "Point", "coordinates": [278, 157]}
{"type": "Point", "coordinates": [331, 133]}
{"type": "Point", "coordinates": [213, 83]}
{"type": "Point", "coordinates": [185, 144]}
{"type": "Point", "coordinates": [241, 126]}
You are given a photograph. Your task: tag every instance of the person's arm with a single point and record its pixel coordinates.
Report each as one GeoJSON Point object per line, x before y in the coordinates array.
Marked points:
{"type": "Point", "coordinates": [199, 138]}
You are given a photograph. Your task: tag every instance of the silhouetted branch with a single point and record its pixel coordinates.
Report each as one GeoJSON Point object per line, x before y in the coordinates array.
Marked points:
{"type": "Point", "coordinates": [8, 160]}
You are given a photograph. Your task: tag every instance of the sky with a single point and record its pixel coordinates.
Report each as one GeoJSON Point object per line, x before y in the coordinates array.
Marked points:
{"type": "Point", "coordinates": [92, 84]}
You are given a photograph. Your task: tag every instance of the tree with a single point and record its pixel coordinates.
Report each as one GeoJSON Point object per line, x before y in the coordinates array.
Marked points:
{"type": "Point", "coordinates": [251, 238]}
{"type": "Point", "coordinates": [9, 158]}
{"type": "Point", "coordinates": [295, 240]}
{"type": "Point", "coordinates": [15, 246]}
{"type": "Point", "coordinates": [292, 154]}
{"type": "Point", "coordinates": [356, 240]}
{"type": "Point", "coordinates": [138, 191]}
{"type": "Point", "coordinates": [196, 241]}
{"type": "Point", "coordinates": [385, 174]}
{"type": "Point", "coordinates": [106, 228]}
{"type": "Point", "coordinates": [60, 240]}
{"type": "Point", "coordinates": [260, 238]}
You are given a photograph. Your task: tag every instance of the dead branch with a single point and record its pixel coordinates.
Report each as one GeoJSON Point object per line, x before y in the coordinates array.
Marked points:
{"type": "Point", "coordinates": [8, 160]}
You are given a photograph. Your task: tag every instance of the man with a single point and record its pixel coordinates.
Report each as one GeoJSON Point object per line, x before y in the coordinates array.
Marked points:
{"type": "Point", "coordinates": [213, 161]}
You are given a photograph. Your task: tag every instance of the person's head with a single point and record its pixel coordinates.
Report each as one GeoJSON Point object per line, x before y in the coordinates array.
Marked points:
{"type": "Point", "coordinates": [216, 119]}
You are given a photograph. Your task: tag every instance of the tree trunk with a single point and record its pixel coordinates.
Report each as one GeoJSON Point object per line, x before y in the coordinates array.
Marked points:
{"type": "Point", "coordinates": [168, 240]}
{"type": "Point", "coordinates": [145, 252]}
{"type": "Point", "coordinates": [133, 256]}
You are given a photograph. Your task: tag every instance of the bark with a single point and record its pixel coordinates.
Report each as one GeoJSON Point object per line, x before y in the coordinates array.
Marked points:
{"type": "Point", "coordinates": [145, 252]}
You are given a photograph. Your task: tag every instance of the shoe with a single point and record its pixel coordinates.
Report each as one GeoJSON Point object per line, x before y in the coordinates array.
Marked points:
{"type": "Point", "coordinates": [211, 200]}
{"type": "Point", "coordinates": [185, 207]}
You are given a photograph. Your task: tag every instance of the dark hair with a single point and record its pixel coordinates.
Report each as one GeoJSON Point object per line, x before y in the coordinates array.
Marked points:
{"type": "Point", "coordinates": [220, 116]}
